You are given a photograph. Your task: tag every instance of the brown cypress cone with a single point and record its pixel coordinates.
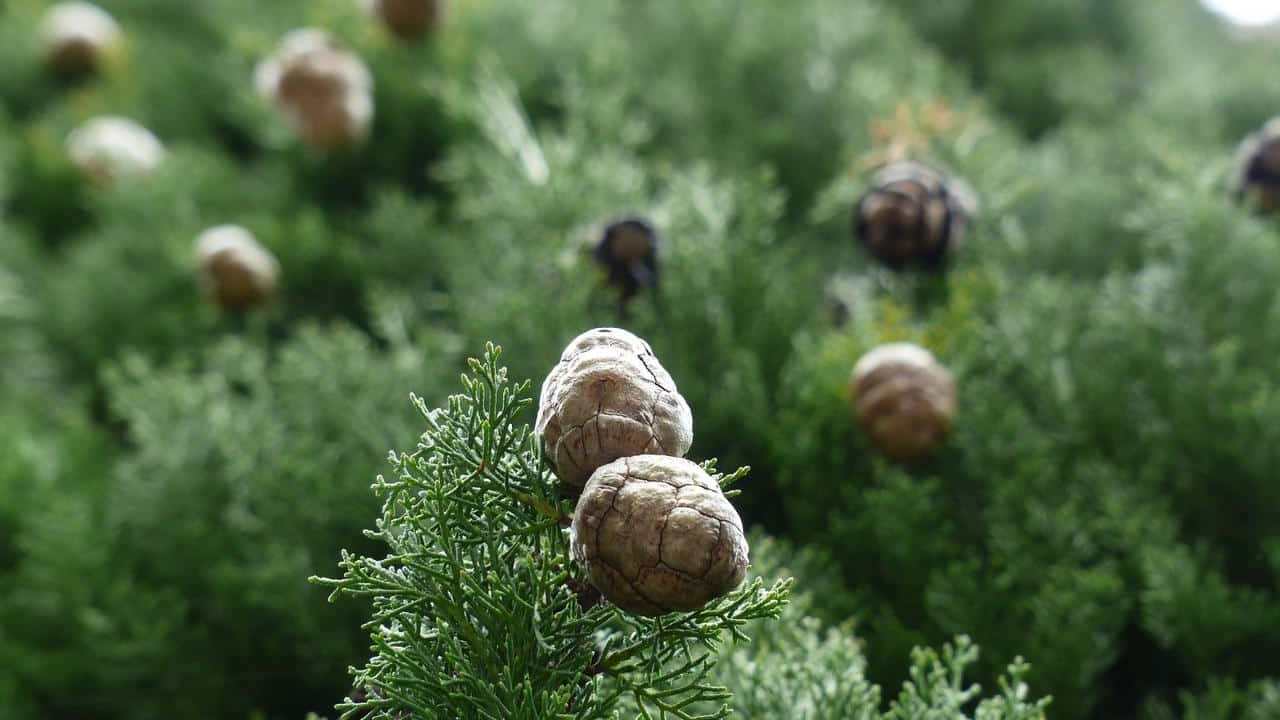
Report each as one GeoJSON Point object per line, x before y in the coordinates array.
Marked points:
{"type": "Point", "coordinates": [1258, 168]}
{"type": "Point", "coordinates": [656, 535]}
{"type": "Point", "coordinates": [607, 398]}
{"type": "Point", "coordinates": [324, 91]}
{"type": "Point", "coordinates": [408, 20]}
{"type": "Point", "coordinates": [628, 252]}
{"type": "Point", "coordinates": [904, 400]}
{"type": "Point", "coordinates": [108, 148]}
{"type": "Point", "coordinates": [912, 217]}
{"type": "Point", "coordinates": [236, 271]}
{"type": "Point", "coordinates": [77, 37]}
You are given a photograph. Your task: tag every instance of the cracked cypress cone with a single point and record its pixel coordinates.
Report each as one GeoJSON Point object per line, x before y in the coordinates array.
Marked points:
{"type": "Point", "coordinates": [608, 398]}
{"type": "Point", "coordinates": [1258, 168]}
{"type": "Point", "coordinates": [323, 90]}
{"type": "Point", "coordinates": [628, 252]}
{"type": "Point", "coordinates": [904, 400]}
{"type": "Point", "coordinates": [657, 535]}
{"type": "Point", "coordinates": [236, 271]}
{"type": "Point", "coordinates": [108, 148]}
{"type": "Point", "coordinates": [77, 37]}
{"type": "Point", "coordinates": [408, 20]}
{"type": "Point", "coordinates": [912, 216]}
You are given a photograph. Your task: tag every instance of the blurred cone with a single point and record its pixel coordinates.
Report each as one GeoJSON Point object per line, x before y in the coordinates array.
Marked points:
{"type": "Point", "coordinates": [77, 37]}
{"type": "Point", "coordinates": [912, 217]}
{"type": "Point", "coordinates": [628, 252]}
{"type": "Point", "coordinates": [108, 148]}
{"type": "Point", "coordinates": [408, 20]}
{"type": "Point", "coordinates": [237, 272]}
{"type": "Point", "coordinates": [904, 400]}
{"type": "Point", "coordinates": [324, 91]}
{"type": "Point", "coordinates": [1258, 168]}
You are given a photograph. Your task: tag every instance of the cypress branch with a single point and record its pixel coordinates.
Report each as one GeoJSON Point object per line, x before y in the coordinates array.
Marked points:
{"type": "Point", "coordinates": [477, 607]}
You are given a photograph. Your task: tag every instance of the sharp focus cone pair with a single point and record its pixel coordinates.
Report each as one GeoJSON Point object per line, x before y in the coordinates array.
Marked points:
{"type": "Point", "coordinates": [654, 531]}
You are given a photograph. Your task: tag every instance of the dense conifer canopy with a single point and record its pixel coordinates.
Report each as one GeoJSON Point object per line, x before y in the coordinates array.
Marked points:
{"type": "Point", "coordinates": [1102, 518]}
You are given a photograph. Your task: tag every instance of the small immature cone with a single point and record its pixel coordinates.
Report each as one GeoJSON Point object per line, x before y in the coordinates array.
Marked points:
{"type": "Point", "coordinates": [608, 398]}
{"type": "Point", "coordinates": [912, 216]}
{"type": "Point", "coordinates": [1258, 168]}
{"type": "Point", "coordinates": [324, 91]}
{"type": "Point", "coordinates": [904, 399]}
{"type": "Point", "coordinates": [77, 37]}
{"type": "Point", "coordinates": [108, 148]}
{"type": "Point", "coordinates": [408, 20]}
{"type": "Point", "coordinates": [236, 271]}
{"type": "Point", "coordinates": [657, 535]}
{"type": "Point", "coordinates": [628, 252]}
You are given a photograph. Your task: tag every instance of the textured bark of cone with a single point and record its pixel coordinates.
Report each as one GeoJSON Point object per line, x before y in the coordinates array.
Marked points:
{"type": "Point", "coordinates": [77, 37]}
{"type": "Point", "coordinates": [657, 535]}
{"type": "Point", "coordinates": [325, 92]}
{"type": "Point", "coordinates": [608, 398]}
{"type": "Point", "coordinates": [237, 272]}
{"type": "Point", "coordinates": [408, 20]}
{"type": "Point", "coordinates": [912, 217]}
{"type": "Point", "coordinates": [109, 148]}
{"type": "Point", "coordinates": [1258, 168]}
{"type": "Point", "coordinates": [904, 400]}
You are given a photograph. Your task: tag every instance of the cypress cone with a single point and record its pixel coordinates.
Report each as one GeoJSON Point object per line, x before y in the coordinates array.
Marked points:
{"type": "Point", "coordinates": [1258, 168]}
{"type": "Point", "coordinates": [912, 217]}
{"type": "Point", "coordinates": [325, 91]}
{"type": "Point", "coordinates": [609, 398]}
{"type": "Point", "coordinates": [237, 272]}
{"type": "Point", "coordinates": [904, 400]}
{"type": "Point", "coordinates": [107, 148]}
{"type": "Point", "coordinates": [408, 20]}
{"type": "Point", "coordinates": [77, 37]}
{"type": "Point", "coordinates": [628, 252]}
{"type": "Point", "coordinates": [656, 535]}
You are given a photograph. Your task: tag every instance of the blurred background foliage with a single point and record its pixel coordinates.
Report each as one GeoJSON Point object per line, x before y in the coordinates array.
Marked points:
{"type": "Point", "coordinates": [1107, 507]}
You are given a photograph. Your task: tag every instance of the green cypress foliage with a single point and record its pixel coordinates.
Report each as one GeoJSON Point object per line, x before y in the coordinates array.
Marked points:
{"type": "Point", "coordinates": [1104, 508]}
{"type": "Point", "coordinates": [479, 609]}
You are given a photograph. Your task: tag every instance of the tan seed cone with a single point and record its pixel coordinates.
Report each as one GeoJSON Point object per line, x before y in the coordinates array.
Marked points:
{"type": "Point", "coordinates": [325, 92]}
{"type": "Point", "coordinates": [904, 400]}
{"type": "Point", "coordinates": [108, 148]}
{"type": "Point", "coordinates": [657, 535]}
{"type": "Point", "coordinates": [408, 20]}
{"type": "Point", "coordinates": [77, 37]}
{"type": "Point", "coordinates": [236, 271]}
{"type": "Point", "coordinates": [608, 398]}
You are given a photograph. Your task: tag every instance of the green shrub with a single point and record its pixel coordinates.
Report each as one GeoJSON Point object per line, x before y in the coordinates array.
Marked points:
{"type": "Point", "coordinates": [184, 571]}
{"type": "Point", "coordinates": [1105, 507]}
